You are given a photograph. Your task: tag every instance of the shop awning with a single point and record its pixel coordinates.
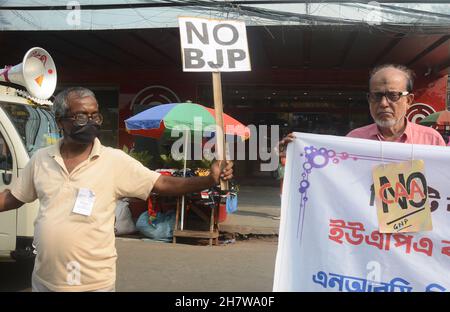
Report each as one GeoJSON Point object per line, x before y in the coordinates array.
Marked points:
{"type": "Point", "coordinates": [429, 16]}
{"type": "Point", "coordinates": [286, 35]}
{"type": "Point", "coordinates": [271, 47]}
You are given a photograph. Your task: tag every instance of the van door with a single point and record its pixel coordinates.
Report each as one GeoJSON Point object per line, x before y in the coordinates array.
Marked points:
{"type": "Point", "coordinates": [8, 219]}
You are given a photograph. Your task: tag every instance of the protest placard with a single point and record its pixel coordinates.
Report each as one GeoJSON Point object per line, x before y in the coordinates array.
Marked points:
{"type": "Point", "coordinates": [213, 45]}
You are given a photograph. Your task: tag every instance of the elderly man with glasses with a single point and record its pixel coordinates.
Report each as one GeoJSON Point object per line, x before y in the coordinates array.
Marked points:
{"type": "Point", "coordinates": [77, 182]}
{"type": "Point", "coordinates": [390, 95]}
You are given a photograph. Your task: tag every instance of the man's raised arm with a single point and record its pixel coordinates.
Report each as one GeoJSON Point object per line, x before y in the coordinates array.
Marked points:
{"type": "Point", "coordinates": [8, 201]}
{"type": "Point", "coordinates": [173, 186]}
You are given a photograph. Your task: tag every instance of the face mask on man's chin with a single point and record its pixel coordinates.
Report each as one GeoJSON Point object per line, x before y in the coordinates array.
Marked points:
{"type": "Point", "coordinates": [85, 134]}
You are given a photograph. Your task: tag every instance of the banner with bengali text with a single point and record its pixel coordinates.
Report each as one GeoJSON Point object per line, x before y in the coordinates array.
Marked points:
{"type": "Point", "coordinates": [329, 239]}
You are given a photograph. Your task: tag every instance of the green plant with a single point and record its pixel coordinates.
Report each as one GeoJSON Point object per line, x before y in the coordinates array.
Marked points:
{"type": "Point", "coordinates": [143, 157]}
{"type": "Point", "coordinates": [169, 163]}
{"type": "Point", "coordinates": [204, 163]}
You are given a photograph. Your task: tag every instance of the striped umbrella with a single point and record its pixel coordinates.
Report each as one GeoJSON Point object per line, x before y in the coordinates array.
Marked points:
{"type": "Point", "coordinates": [441, 118]}
{"type": "Point", "coordinates": [159, 121]}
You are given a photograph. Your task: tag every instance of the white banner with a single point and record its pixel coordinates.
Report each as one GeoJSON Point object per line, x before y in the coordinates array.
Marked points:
{"type": "Point", "coordinates": [209, 45]}
{"type": "Point", "coordinates": [329, 239]}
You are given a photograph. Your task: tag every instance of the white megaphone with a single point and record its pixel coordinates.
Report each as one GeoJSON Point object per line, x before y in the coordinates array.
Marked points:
{"type": "Point", "coordinates": [37, 73]}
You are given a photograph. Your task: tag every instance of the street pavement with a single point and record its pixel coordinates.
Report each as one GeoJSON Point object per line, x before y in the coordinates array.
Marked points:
{"type": "Point", "coordinates": [258, 211]}
{"type": "Point", "coordinates": [151, 266]}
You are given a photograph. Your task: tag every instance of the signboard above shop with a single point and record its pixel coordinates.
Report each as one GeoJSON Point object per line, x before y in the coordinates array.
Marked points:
{"type": "Point", "coordinates": [213, 45]}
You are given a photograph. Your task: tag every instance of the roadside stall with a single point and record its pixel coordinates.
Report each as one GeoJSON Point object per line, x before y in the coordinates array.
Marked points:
{"type": "Point", "coordinates": [167, 122]}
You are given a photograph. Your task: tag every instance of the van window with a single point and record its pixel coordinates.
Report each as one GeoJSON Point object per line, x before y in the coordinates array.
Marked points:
{"type": "Point", "coordinates": [36, 125]}
{"type": "Point", "coordinates": [5, 155]}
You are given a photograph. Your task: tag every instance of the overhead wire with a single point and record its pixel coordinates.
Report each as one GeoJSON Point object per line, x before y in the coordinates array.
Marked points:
{"type": "Point", "coordinates": [423, 21]}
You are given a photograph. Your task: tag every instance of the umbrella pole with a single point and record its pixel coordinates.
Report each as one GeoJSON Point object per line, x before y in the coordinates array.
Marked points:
{"type": "Point", "coordinates": [186, 133]}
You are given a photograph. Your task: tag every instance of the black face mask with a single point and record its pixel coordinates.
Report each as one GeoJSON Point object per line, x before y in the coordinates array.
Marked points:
{"type": "Point", "coordinates": [85, 134]}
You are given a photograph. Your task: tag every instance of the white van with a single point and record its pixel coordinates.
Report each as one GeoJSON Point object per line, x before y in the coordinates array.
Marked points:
{"type": "Point", "coordinates": [26, 125]}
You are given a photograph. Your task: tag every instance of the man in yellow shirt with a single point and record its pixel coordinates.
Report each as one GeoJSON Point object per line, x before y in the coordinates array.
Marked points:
{"type": "Point", "coordinates": [77, 182]}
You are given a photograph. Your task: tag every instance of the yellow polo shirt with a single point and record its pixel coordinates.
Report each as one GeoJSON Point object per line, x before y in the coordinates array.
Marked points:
{"type": "Point", "coordinates": [77, 252]}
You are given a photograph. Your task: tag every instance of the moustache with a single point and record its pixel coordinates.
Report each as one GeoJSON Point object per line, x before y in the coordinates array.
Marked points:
{"type": "Point", "coordinates": [385, 111]}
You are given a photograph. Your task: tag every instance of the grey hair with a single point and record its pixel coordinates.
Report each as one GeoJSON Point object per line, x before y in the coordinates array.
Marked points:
{"type": "Point", "coordinates": [409, 73]}
{"type": "Point", "coordinates": [61, 105]}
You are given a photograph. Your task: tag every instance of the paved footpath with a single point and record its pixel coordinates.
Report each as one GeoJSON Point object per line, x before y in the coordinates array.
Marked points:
{"type": "Point", "coordinates": [151, 266]}
{"type": "Point", "coordinates": [258, 209]}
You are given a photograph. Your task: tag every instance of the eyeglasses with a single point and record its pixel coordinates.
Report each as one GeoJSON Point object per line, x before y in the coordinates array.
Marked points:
{"type": "Point", "coordinates": [82, 119]}
{"type": "Point", "coordinates": [391, 96]}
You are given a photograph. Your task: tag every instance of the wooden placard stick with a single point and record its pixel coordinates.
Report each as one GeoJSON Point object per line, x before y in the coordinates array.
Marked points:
{"type": "Point", "coordinates": [220, 133]}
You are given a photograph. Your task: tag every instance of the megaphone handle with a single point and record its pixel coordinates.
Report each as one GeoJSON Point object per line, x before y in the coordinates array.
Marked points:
{"type": "Point", "coordinates": [4, 73]}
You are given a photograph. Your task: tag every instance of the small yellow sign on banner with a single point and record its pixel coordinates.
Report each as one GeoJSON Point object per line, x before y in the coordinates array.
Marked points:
{"type": "Point", "coordinates": [401, 197]}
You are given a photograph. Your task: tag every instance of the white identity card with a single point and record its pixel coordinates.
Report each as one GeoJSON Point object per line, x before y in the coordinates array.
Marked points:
{"type": "Point", "coordinates": [85, 202]}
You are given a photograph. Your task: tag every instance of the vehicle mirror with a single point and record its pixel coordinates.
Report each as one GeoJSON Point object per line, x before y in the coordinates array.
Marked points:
{"type": "Point", "coordinates": [6, 177]}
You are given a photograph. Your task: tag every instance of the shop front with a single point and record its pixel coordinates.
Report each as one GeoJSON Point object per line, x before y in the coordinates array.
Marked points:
{"type": "Point", "coordinates": [308, 74]}
{"type": "Point", "coordinates": [310, 64]}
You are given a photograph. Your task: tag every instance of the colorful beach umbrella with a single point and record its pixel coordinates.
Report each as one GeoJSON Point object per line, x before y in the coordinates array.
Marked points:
{"type": "Point", "coordinates": [441, 118]}
{"type": "Point", "coordinates": [158, 121]}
